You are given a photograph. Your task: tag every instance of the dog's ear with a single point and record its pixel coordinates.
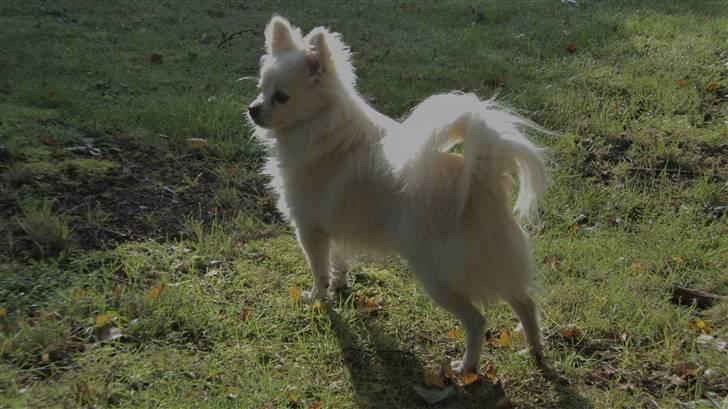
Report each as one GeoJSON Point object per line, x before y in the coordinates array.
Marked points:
{"type": "Point", "coordinates": [279, 36]}
{"type": "Point", "coordinates": [318, 56]}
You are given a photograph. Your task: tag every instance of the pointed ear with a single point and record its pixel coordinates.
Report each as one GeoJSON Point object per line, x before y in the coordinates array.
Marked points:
{"type": "Point", "coordinates": [279, 36]}
{"type": "Point", "coordinates": [318, 56]}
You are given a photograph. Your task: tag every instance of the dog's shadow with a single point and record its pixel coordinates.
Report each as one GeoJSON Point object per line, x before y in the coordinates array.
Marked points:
{"type": "Point", "coordinates": [383, 373]}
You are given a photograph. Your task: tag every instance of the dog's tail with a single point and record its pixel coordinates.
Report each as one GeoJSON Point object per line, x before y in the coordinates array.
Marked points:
{"type": "Point", "coordinates": [494, 148]}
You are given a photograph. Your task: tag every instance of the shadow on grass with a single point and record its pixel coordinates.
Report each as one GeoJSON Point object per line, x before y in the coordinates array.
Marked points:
{"type": "Point", "coordinates": [383, 373]}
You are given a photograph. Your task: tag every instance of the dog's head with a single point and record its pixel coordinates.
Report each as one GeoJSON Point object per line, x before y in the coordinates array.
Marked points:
{"type": "Point", "coordinates": [299, 77]}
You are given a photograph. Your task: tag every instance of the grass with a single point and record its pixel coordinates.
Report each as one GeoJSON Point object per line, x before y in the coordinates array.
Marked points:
{"type": "Point", "coordinates": [113, 224]}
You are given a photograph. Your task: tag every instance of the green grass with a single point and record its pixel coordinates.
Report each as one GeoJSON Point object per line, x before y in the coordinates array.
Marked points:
{"type": "Point", "coordinates": [110, 220]}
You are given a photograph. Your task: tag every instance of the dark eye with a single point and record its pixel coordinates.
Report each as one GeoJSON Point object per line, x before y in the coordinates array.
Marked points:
{"type": "Point", "coordinates": [280, 97]}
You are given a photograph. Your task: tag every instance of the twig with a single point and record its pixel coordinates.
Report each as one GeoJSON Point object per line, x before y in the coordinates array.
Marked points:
{"type": "Point", "coordinates": [227, 37]}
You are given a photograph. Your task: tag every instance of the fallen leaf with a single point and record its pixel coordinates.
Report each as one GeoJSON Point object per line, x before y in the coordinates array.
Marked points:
{"type": "Point", "coordinates": [553, 262]}
{"type": "Point", "coordinates": [637, 267]}
{"type": "Point", "coordinates": [367, 304]}
{"type": "Point", "coordinates": [78, 294]}
{"type": "Point", "coordinates": [570, 333]}
{"type": "Point", "coordinates": [295, 294]}
{"type": "Point", "coordinates": [699, 326]}
{"type": "Point", "coordinates": [103, 320]}
{"type": "Point", "coordinates": [245, 314]}
{"type": "Point", "coordinates": [154, 293]}
{"type": "Point", "coordinates": [504, 338]}
{"type": "Point", "coordinates": [45, 357]}
{"type": "Point", "coordinates": [433, 396]}
{"type": "Point", "coordinates": [677, 260]}
{"type": "Point", "coordinates": [571, 48]}
{"type": "Point", "coordinates": [489, 371]}
{"type": "Point", "coordinates": [196, 144]}
{"type": "Point", "coordinates": [470, 377]}
{"type": "Point", "coordinates": [681, 83]}
{"type": "Point", "coordinates": [3, 312]}
{"type": "Point", "coordinates": [685, 370]}
{"type": "Point", "coordinates": [433, 379]}
{"type": "Point", "coordinates": [712, 87]}
{"type": "Point", "coordinates": [454, 334]}
{"type": "Point", "coordinates": [124, 136]}
{"type": "Point", "coordinates": [314, 404]}
{"type": "Point", "coordinates": [446, 370]}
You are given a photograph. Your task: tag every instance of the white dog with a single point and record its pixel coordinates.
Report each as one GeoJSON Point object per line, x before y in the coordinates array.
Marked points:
{"type": "Point", "coordinates": [351, 179]}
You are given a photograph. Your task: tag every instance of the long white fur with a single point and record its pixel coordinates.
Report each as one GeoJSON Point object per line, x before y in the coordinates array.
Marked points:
{"type": "Point", "coordinates": [351, 178]}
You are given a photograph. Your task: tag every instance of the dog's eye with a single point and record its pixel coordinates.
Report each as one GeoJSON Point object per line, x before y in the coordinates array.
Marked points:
{"type": "Point", "coordinates": [280, 97]}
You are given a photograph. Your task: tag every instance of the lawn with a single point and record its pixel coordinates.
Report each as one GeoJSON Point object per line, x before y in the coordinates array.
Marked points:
{"type": "Point", "coordinates": [144, 264]}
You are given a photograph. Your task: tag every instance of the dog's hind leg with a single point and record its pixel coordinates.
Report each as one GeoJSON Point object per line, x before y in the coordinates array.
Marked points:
{"type": "Point", "coordinates": [316, 244]}
{"type": "Point", "coordinates": [339, 266]}
{"type": "Point", "coordinates": [471, 319]}
{"type": "Point", "coordinates": [525, 308]}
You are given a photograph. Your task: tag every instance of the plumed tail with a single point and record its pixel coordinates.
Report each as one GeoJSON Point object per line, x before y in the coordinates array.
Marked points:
{"type": "Point", "coordinates": [495, 148]}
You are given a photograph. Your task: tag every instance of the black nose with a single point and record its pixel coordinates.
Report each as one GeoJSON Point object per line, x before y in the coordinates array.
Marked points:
{"type": "Point", "coordinates": [254, 110]}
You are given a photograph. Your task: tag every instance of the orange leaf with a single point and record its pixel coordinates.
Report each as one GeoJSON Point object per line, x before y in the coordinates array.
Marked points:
{"type": "Point", "coordinates": [681, 83]}
{"type": "Point", "coordinates": [504, 338]}
{"type": "Point", "coordinates": [154, 293]}
{"type": "Point", "coordinates": [569, 333]}
{"type": "Point", "coordinates": [295, 294]}
{"type": "Point", "coordinates": [471, 377]}
{"type": "Point", "coordinates": [367, 304]}
{"type": "Point", "coordinates": [454, 334]}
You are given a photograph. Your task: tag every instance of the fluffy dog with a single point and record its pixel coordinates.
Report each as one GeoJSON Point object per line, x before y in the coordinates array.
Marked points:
{"type": "Point", "coordinates": [351, 179]}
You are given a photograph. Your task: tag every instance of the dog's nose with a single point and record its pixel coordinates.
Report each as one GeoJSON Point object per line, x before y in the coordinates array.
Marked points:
{"type": "Point", "coordinates": [254, 110]}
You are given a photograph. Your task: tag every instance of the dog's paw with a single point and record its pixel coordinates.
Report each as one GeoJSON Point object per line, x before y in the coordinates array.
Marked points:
{"type": "Point", "coordinates": [338, 283]}
{"type": "Point", "coordinates": [310, 297]}
{"type": "Point", "coordinates": [460, 368]}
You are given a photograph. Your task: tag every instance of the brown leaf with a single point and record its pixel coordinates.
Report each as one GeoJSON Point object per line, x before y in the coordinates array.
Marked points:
{"type": "Point", "coordinates": [446, 371]}
{"type": "Point", "coordinates": [432, 379]}
{"type": "Point", "coordinates": [489, 371]}
{"type": "Point", "coordinates": [244, 314]}
{"type": "Point", "coordinates": [570, 333]}
{"type": "Point", "coordinates": [637, 267]}
{"type": "Point", "coordinates": [196, 144]}
{"type": "Point", "coordinates": [154, 293]}
{"type": "Point", "coordinates": [124, 136]}
{"type": "Point", "coordinates": [571, 48]}
{"type": "Point", "coordinates": [295, 294]}
{"type": "Point", "coordinates": [681, 83]}
{"type": "Point", "coordinates": [367, 304]}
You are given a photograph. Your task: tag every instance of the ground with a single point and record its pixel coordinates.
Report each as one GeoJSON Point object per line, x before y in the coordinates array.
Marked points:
{"type": "Point", "coordinates": [145, 269]}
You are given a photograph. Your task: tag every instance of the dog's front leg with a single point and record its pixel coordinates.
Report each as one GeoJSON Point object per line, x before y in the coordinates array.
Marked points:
{"type": "Point", "coordinates": [316, 243]}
